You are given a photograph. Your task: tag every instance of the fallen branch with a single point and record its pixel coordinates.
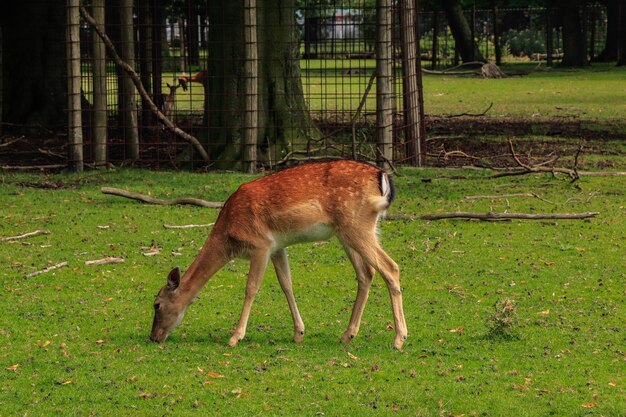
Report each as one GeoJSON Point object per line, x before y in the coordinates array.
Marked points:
{"type": "Point", "coordinates": [25, 235]}
{"type": "Point", "coordinates": [602, 174]}
{"type": "Point", "coordinates": [140, 88]}
{"type": "Point", "coordinates": [48, 269]}
{"type": "Point", "coordinates": [496, 197]}
{"type": "Point", "coordinates": [104, 261]}
{"type": "Point", "coordinates": [499, 216]}
{"type": "Point", "coordinates": [151, 200]}
{"type": "Point", "coordinates": [32, 167]}
{"type": "Point", "coordinates": [450, 116]}
{"type": "Point", "coordinates": [186, 226]}
{"type": "Point", "coordinates": [9, 143]}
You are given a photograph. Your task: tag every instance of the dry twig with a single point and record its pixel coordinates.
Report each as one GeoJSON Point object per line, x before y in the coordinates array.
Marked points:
{"type": "Point", "coordinates": [104, 261]}
{"type": "Point", "coordinates": [186, 226]}
{"type": "Point", "coordinates": [25, 235]}
{"type": "Point", "coordinates": [48, 269]}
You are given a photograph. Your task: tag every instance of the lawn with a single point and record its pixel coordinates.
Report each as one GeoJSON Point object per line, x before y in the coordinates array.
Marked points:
{"type": "Point", "coordinates": [74, 341]}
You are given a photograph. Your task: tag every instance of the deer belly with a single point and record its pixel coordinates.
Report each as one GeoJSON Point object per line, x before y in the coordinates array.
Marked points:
{"type": "Point", "coordinates": [313, 233]}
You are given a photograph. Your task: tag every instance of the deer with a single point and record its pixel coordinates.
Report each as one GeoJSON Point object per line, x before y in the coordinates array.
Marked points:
{"type": "Point", "coordinates": [200, 77]}
{"type": "Point", "coordinates": [304, 203]}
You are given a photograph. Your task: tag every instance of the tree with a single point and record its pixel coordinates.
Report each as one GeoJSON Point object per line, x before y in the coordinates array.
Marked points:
{"type": "Point", "coordinates": [609, 53]}
{"type": "Point", "coordinates": [283, 116]}
{"type": "Point", "coordinates": [34, 63]}
{"type": "Point", "coordinates": [574, 45]}
{"type": "Point", "coordinates": [461, 31]}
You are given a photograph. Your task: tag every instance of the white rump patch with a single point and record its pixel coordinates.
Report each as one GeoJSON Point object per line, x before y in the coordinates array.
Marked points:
{"type": "Point", "coordinates": [384, 184]}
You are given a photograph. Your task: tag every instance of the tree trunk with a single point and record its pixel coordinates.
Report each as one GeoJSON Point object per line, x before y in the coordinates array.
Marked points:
{"type": "Point", "coordinates": [621, 49]}
{"type": "Point", "coordinates": [251, 68]}
{"type": "Point", "coordinates": [609, 53]}
{"type": "Point", "coordinates": [36, 96]}
{"type": "Point", "coordinates": [99, 89]}
{"type": "Point", "coordinates": [283, 118]}
{"type": "Point", "coordinates": [384, 84]}
{"type": "Point", "coordinates": [193, 39]}
{"type": "Point", "coordinates": [574, 45]}
{"type": "Point", "coordinates": [461, 31]}
{"type": "Point", "coordinates": [129, 102]}
{"type": "Point", "coordinates": [144, 15]}
{"type": "Point", "coordinates": [411, 66]}
{"type": "Point", "coordinates": [75, 125]}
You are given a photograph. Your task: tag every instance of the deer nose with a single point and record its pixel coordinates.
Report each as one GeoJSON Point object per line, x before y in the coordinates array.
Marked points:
{"type": "Point", "coordinates": [157, 336]}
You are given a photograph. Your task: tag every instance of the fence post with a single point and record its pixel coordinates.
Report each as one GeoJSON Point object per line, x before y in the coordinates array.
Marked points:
{"type": "Point", "coordinates": [251, 71]}
{"type": "Point", "coordinates": [384, 91]}
{"type": "Point", "coordinates": [74, 119]}
{"type": "Point", "coordinates": [99, 89]}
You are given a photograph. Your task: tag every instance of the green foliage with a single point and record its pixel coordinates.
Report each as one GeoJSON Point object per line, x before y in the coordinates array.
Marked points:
{"type": "Point", "coordinates": [74, 341]}
{"type": "Point", "coordinates": [525, 42]}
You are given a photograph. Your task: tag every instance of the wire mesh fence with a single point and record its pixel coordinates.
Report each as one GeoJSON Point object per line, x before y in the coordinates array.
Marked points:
{"type": "Point", "coordinates": [257, 83]}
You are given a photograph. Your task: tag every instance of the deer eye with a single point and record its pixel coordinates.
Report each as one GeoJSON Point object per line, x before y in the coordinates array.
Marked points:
{"type": "Point", "coordinates": [157, 306]}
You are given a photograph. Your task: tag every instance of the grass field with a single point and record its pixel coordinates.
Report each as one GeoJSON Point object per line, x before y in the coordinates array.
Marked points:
{"type": "Point", "coordinates": [74, 341]}
{"type": "Point", "coordinates": [595, 93]}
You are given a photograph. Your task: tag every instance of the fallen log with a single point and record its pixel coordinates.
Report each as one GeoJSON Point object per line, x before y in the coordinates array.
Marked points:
{"type": "Point", "coordinates": [151, 200]}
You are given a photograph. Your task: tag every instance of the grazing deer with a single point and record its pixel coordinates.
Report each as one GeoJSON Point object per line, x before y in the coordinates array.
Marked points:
{"type": "Point", "coordinates": [306, 203]}
{"type": "Point", "coordinates": [199, 77]}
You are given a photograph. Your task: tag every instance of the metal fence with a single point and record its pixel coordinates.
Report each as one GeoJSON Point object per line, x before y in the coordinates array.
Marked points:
{"type": "Point", "coordinates": [315, 79]}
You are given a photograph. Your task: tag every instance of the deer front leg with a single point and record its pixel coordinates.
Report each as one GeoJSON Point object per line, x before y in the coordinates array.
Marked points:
{"type": "Point", "coordinates": [364, 275]}
{"type": "Point", "coordinates": [283, 273]}
{"type": "Point", "coordinates": [258, 263]}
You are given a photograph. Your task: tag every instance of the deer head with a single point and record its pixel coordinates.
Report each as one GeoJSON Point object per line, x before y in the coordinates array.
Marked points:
{"type": "Point", "coordinates": [168, 308]}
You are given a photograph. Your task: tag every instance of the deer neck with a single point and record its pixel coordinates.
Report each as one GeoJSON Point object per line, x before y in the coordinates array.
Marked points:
{"type": "Point", "coordinates": [210, 259]}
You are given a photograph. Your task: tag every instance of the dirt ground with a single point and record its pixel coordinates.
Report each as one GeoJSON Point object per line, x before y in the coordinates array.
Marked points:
{"type": "Point", "coordinates": [451, 142]}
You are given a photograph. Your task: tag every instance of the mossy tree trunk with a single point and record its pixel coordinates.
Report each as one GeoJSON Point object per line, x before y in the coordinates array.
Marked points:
{"type": "Point", "coordinates": [283, 118]}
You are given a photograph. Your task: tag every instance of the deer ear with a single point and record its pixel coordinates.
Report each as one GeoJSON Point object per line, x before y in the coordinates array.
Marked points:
{"type": "Point", "coordinates": [173, 279]}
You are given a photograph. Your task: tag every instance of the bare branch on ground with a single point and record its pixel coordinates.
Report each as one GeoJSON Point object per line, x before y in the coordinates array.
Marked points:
{"type": "Point", "coordinates": [48, 269]}
{"type": "Point", "coordinates": [147, 199]}
{"type": "Point", "coordinates": [186, 226]}
{"type": "Point", "coordinates": [494, 216]}
{"type": "Point", "coordinates": [105, 261]}
{"type": "Point", "coordinates": [25, 235]}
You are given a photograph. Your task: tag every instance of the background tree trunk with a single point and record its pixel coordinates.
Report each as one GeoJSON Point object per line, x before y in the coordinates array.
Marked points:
{"type": "Point", "coordinates": [384, 86]}
{"type": "Point", "coordinates": [574, 45]}
{"type": "Point", "coordinates": [609, 53]}
{"type": "Point", "coordinates": [621, 49]}
{"type": "Point", "coordinates": [251, 116]}
{"type": "Point", "coordinates": [461, 31]}
{"type": "Point", "coordinates": [283, 117]}
{"type": "Point", "coordinates": [36, 96]}
{"type": "Point", "coordinates": [128, 106]}
{"type": "Point", "coordinates": [74, 115]}
{"type": "Point", "coordinates": [99, 89]}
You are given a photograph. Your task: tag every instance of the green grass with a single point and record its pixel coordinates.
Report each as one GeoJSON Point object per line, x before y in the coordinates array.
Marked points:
{"type": "Point", "coordinates": [597, 93]}
{"type": "Point", "coordinates": [79, 335]}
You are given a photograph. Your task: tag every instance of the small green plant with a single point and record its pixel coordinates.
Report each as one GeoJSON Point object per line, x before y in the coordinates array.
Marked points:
{"type": "Point", "coordinates": [503, 320]}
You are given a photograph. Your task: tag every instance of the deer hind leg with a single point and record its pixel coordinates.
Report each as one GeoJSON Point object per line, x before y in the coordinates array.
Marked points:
{"type": "Point", "coordinates": [366, 245]}
{"type": "Point", "coordinates": [364, 275]}
{"type": "Point", "coordinates": [258, 263]}
{"type": "Point", "coordinates": [281, 264]}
